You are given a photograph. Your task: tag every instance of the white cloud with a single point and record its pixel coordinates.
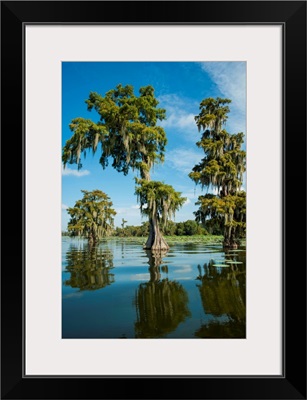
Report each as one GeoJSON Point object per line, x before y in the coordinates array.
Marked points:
{"type": "Point", "coordinates": [180, 113]}
{"type": "Point", "coordinates": [230, 79]}
{"type": "Point", "coordinates": [131, 213]}
{"type": "Point", "coordinates": [172, 100]}
{"type": "Point", "coordinates": [64, 207]}
{"type": "Point", "coordinates": [180, 119]}
{"type": "Point", "coordinates": [183, 269]}
{"type": "Point", "coordinates": [74, 172]}
{"type": "Point", "coordinates": [131, 210]}
{"type": "Point", "coordinates": [191, 194]}
{"type": "Point", "coordinates": [140, 277]}
{"type": "Point", "coordinates": [182, 159]}
{"type": "Point", "coordinates": [188, 201]}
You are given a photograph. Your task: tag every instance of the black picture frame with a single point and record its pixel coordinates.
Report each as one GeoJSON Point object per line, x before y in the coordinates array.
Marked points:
{"type": "Point", "coordinates": [292, 16]}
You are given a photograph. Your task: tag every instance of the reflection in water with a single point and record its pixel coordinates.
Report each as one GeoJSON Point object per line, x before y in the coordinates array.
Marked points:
{"type": "Point", "coordinates": [222, 292]}
{"type": "Point", "coordinates": [181, 294]}
{"type": "Point", "coordinates": [89, 268]}
{"type": "Point", "coordinates": [161, 305]}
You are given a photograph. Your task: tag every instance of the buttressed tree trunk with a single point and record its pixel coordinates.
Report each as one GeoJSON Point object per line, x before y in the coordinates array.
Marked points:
{"type": "Point", "coordinates": [229, 238]}
{"type": "Point", "coordinates": [155, 239]}
{"type": "Point", "coordinates": [155, 258]}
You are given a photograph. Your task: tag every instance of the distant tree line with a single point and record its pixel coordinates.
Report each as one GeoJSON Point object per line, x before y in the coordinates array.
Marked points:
{"type": "Point", "coordinates": [186, 228]}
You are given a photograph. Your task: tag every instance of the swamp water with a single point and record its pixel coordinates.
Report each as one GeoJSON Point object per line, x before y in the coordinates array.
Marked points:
{"type": "Point", "coordinates": [119, 290]}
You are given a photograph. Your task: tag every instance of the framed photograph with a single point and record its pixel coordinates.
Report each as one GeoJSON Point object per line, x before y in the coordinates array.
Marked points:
{"type": "Point", "coordinates": [163, 188]}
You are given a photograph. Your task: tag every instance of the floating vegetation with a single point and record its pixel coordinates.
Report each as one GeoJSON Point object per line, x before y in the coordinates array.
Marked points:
{"type": "Point", "coordinates": [234, 262]}
{"type": "Point", "coordinates": [220, 265]}
{"type": "Point", "coordinates": [217, 260]}
{"type": "Point", "coordinates": [210, 241]}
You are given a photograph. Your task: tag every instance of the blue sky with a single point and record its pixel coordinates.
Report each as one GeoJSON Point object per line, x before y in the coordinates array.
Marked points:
{"type": "Point", "coordinates": [179, 87]}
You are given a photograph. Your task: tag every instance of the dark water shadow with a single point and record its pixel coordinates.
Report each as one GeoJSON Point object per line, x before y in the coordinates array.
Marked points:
{"type": "Point", "coordinates": [223, 297]}
{"type": "Point", "coordinates": [89, 268]}
{"type": "Point", "coordinates": [161, 304]}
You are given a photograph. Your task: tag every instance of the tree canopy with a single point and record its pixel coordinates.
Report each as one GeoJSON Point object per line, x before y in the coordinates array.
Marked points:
{"type": "Point", "coordinates": [158, 198]}
{"type": "Point", "coordinates": [127, 131]}
{"type": "Point", "coordinates": [160, 202]}
{"type": "Point", "coordinates": [92, 216]}
{"type": "Point", "coordinates": [222, 168]}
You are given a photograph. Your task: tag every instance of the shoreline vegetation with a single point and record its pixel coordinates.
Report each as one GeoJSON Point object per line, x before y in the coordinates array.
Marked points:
{"type": "Point", "coordinates": [204, 239]}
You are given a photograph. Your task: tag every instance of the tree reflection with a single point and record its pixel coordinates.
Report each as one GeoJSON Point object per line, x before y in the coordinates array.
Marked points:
{"type": "Point", "coordinates": [89, 268]}
{"type": "Point", "coordinates": [161, 305]}
{"type": "Point", "coordinates": [222, 292]}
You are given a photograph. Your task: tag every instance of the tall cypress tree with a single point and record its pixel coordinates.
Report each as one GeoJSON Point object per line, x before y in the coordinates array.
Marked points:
{"type": "Point", "coordinates": [221, 170]}
{"type": "Point", "coordinates": [130, 138]}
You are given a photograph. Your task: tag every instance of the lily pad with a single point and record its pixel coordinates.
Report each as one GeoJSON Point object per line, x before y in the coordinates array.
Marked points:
{"type": "Point", "coordinates": [220, 265]}
{"type": "Point", "coordinates": [234, 262]}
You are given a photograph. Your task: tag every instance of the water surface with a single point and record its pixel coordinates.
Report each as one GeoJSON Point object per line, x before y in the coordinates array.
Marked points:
{"type": "Point", "coordinates": [119, 290]}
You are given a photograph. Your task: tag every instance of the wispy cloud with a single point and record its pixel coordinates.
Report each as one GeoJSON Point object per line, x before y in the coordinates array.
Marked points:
{"type": "Point", "coordinates": [188, 201]}
{"type": "Point", "coordinates": [184, 269]}
{"type": "Point", "coordinates": [230, 79]}
{"type": "Point", "coordinates": [180, 115]}
{"type": "Point", "coordinates": [140, 277]}
{"type": "Point", "coordinates": [182, 120]}
{"type": "Point", "coordinates": [74, 172]}
{"type": "Point", "coordinates": [132, 210]}
{"type": "Point", "coordinates": [182, 159]}
{"type": "Point", "coordinates": [64, 207]}
{"type": "Point", "coordinates": [131, 213]}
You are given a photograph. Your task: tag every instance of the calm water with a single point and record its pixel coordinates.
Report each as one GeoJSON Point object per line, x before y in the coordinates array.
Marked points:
{"type": "Point", "coordinates": [118, 290]}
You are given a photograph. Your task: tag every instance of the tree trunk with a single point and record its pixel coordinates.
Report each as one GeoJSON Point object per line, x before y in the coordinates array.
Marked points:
{"type": "Point", "coordinates": [229, 239]}
{"type": "Point", "coordinates": [155, 239]}
{"type": "Point", "coordinates": [92, 238]}
{"type": "Point", "coordinates": [155, 259]}
{"type": "Point", "coordinates": [144, 171]}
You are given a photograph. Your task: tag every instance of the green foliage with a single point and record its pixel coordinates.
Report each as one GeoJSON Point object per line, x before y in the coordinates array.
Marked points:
{"type": "Point", "coordinates": [222, 167]}
{"type": "Point", "coordinates": [187, 228]}
{"type": "Point", "coordinates": [126, 131]}
{"type": "Point", "coordinates": [191, 228]}
{"type": "Point", "coordinates": [213, 114]}
{"type": "Point", "coordinates": [170, 228]}
{"type": "Point", "coordinates": [229, 210]}
{"type": "Point", "coordinates": [224, 162]}
{"type": "Point", "coordinates": [214, 226]}
{"type": "Point", "coordinates": [92, 216]}
{"type": "Point", "coordinates": [133, 231]}
{"type": "Point", "coordinates": [123, 223]}
{"type": "Point", "coordinates": [158, 199]}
